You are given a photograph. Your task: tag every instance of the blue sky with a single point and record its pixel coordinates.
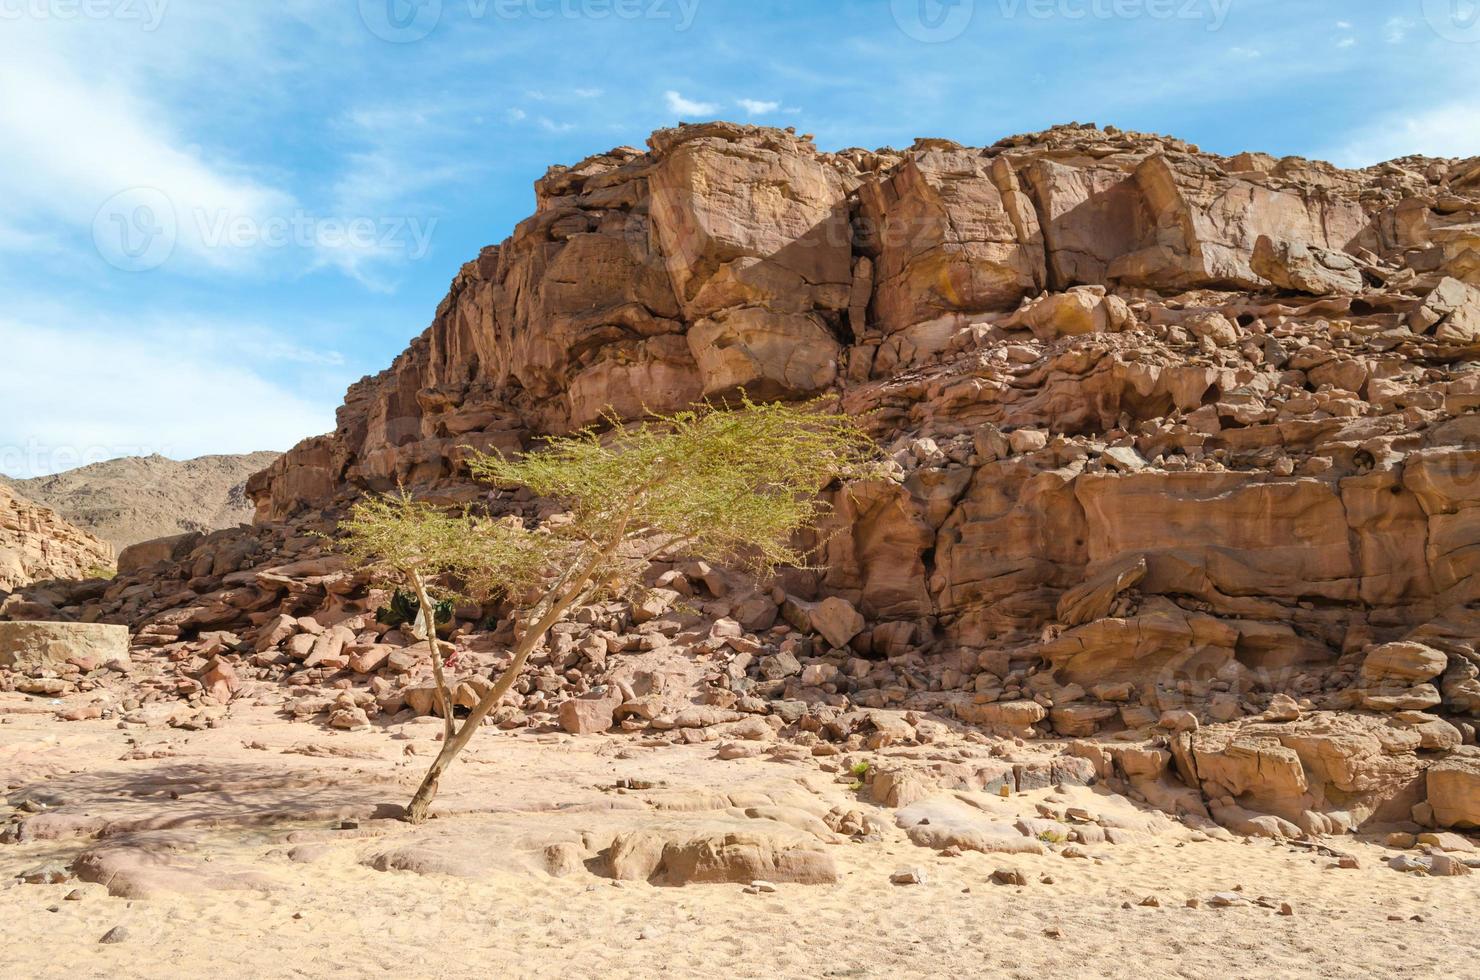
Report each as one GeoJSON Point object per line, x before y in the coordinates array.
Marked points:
{"type": "Point", "coordinates": [219, 213]}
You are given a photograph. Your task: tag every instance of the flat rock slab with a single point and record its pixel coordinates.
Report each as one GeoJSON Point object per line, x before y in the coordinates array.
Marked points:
{"type": "Point", "coordinates": [151, 865]}
{"type": "Point", "coordinates": [88, 645]}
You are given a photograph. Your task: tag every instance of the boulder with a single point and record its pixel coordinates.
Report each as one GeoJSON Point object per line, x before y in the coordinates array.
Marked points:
{"type": "Point", "coordinates": [146, 553]}
{"type": "Point", "coordinates": [1305, 268]}
{"type": "Point", "coordinates": [40, 644]}
{"type": "Point", "coordinates": [1404, 663]}
{"type": "Point", "coordinates": [1454, 792]}
{"type": "Point", "coordinates": [721, 856]}
{"type": "Point", "coordinates": [591, 714]}
{"type": "Point", "coordinates": [836, 620]}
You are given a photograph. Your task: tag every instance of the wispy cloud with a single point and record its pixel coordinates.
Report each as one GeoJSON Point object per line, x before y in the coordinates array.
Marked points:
{"type": "Point", "coordinates": [75, 144]}
{"type": "Point", "coordinates": [688, 107]}
{"type": "Point", "coordinates": [756, 107]}
{"type": "Point", "coordinates": [137, 392]}
{"type": "Point", "coordinates": [1449, 130]}
{"type": "Point", "coordinates": [1395, 31]}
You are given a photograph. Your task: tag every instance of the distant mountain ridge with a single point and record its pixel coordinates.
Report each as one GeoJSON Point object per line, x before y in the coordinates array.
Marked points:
{"type": "Point", "coordinates": [132, 499]}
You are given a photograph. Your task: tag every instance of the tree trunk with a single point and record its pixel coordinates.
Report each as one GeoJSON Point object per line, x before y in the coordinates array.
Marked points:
{"type": "Point", "coordinates": [444, 691]}
{"type": "Point", "coordinates": [420, 806]}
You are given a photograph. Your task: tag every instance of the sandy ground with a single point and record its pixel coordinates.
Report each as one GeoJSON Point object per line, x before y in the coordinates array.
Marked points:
{"type": "Point", "coordinates": [242, 803]}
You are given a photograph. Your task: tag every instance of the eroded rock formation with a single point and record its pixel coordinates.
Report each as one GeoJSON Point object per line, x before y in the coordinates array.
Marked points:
{"type": "Point", "coordinates": [36, 544]}
{"type": "Point", "coordinates": [1182, 446]}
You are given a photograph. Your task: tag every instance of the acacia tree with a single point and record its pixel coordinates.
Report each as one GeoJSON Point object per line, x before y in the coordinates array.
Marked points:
{"type": "Point", "coordinates": [726, 486]}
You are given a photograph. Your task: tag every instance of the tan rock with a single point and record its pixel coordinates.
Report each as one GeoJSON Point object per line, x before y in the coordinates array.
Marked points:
{"type": "Point", "coordinates": [40, 644]}
{"type": "Point", "coordinates": [1454, 792]}
{"type": "Point", "coordinates": [589, 715]}
{"type": "Point", "coordinates": [36, 544]}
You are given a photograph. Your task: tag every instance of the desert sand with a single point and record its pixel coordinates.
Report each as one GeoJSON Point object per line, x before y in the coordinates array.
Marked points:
{"type": "Point", "coordinates": [256, 839]}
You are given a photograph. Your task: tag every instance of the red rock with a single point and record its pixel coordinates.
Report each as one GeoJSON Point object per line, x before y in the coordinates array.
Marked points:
{"type": "Point", "coordinates": [589, 715]}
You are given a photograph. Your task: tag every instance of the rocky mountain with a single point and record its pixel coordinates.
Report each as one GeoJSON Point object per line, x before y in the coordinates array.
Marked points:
{"type": "Point", "coordinates": [36, 544]}
{"type": "Point", "coordinates": [1184, 454]}
{"type": "Point", "coordinates": [132, 499]}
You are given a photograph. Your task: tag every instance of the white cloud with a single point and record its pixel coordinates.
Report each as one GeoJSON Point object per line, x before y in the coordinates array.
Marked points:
{"type": "Point", "coordinates": [1451, 130]}
{"type": "Point", "coordinates": [122, 392]}
{"type": "Point", "coordinates": [75, 144]}
{"type": "Point", "coordinates": [1395, 31]}
{"type": "Point", "coordinates": [587, 93]}
{"type": "Point", "coordinates": [1249, 53]}
{"type": "Point", "coordinates": [687, 107]}
{"type": "Point", "coordinates": [756, 107]}
{"type": "Point", "coordinates": [1346, 42]}
{"type": "Point", "coordinates": [551, 126]}
{"type": "Point", "coordinates": [517, 115]}
{"type": "Point", "coordinates": [1344, 25]}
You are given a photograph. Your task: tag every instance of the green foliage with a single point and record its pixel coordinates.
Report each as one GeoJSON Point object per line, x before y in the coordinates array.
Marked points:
{"type": "Point", "coordinates": [859, 768]}
{"type": "Point", "coordinates": [1050, 836]}
{"type": "Point", "coordinates": [403, 609]}
{"type": "Point", "coordinates": [727, 486]}
{"type": "Point", "coordinates": [403, 536]}
{"type": "Point", "coordinates": [730, 486]}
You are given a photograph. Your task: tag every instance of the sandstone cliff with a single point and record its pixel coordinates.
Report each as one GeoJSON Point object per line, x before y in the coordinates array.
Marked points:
{"type": "Point", "coordinates": [36, 544]}
{"type": "Point", "coordinates": [1184, 448]}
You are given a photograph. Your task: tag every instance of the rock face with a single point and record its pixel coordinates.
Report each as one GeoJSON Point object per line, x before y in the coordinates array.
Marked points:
{"type": "Point", "coordinates": [132, 499]}
{"type": "Point", "coordinates": [36, 544]}
{"type": "Point", "coordinates": [1173, 439]}
{"type": "Point", "coordinates": [87, 645]}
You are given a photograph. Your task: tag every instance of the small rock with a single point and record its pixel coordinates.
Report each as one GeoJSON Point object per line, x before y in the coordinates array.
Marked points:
{"type": "Point", "coordinates": [1285, 909]}
{"type": "Point", "coordinates": [1150, 902]}
{"type": "Point", "coordinates": [1009, 876]}
{"type": "Point", "coordinates": [650, 932]}
{"type": "Point", "coordinates": [117, 934]}
{"type": "Point", "coordinates": [46, 874]}
{"type": "Point", "coordinates": [909, 876]}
